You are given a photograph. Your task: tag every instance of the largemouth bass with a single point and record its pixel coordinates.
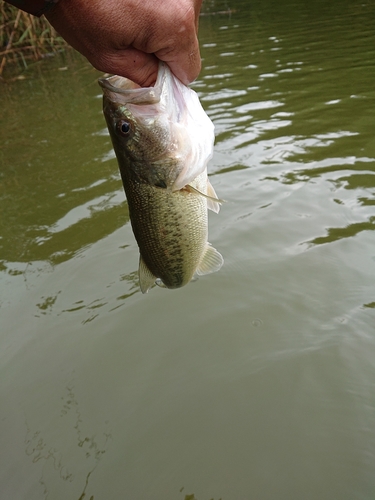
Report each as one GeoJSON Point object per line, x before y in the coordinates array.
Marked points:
{"type": "Point", "coordinates": [163, 141]}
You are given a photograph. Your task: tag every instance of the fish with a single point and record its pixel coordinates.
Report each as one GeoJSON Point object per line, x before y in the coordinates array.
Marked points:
{"type": "Point", "coordinates": [163, 140]}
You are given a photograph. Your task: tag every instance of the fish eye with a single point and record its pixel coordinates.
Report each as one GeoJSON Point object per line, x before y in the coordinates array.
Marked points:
{"type": "Point", "coordinates": [124, 127]}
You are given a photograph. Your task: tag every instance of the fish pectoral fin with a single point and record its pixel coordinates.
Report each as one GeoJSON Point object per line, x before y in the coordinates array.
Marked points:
{"type": "Point", "coordinates": [146, 278]}
{"type": "Point", "coordinates": [213, 202]}
{"type": "Point", "coordinates": [211, 261]}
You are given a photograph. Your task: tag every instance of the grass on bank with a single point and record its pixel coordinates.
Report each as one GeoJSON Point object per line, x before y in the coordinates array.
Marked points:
{"type": "Point", "coordinates": [24, 38]}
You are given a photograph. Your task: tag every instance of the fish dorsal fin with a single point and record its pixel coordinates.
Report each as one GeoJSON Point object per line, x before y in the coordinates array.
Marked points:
{"type": "Point", "coordinates": [211, 261]}
{"type": "Point", "coordinates": [213, 202]}
{"type": "Point", "coordinates": [146, 278]}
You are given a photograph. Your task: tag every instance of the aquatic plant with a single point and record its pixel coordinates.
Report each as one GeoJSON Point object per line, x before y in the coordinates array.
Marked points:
{"type": "Point", "coordinates": [25, 38]}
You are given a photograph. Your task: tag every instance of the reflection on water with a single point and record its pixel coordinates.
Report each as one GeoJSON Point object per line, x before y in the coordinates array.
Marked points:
{"type": "Point", "coordinates": [336, 233]}
{"type": "Point", "coordinates": [89, 449]}
{"type": "Point", "coordinates": [57, 185]}
{"type": "Point", "coordinates": [257, 382]}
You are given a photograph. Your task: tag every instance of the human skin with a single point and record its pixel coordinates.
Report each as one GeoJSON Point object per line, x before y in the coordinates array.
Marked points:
{"type": "Point", "coordinates": [129, 37]}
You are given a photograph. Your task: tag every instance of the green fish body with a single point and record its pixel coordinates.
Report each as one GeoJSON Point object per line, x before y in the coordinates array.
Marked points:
{"type": "Point", "coordinates": [162, 148]}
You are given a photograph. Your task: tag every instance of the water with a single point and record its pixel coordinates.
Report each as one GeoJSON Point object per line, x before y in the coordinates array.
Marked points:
{"type": "Point", "coordinates": [256, 382]}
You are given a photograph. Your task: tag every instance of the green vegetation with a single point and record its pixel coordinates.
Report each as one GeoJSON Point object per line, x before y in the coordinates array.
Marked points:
{"type": "Point", "coordinates": [24, 38]}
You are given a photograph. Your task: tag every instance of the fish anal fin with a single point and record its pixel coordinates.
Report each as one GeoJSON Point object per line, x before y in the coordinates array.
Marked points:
{"type": "Point", "coordinates": [146, 278]}
{"type": "Point", "coordinates": [211, 261]}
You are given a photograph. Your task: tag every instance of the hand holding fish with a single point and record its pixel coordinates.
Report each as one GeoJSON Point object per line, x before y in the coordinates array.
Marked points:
{"type": "Point", "coordinates": [128, 37]}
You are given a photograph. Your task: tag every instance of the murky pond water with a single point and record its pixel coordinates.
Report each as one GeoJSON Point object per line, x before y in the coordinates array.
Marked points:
{"type": "Point", "coordinates": [257, 382]}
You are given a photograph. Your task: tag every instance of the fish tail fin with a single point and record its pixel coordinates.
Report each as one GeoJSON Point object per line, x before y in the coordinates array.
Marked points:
{"type": "Point", "coordinates": [160, 283]}
{"type": "Point", "coordinates": [146, 278]}
{"type": "Point", "coordinates": [211, 261]}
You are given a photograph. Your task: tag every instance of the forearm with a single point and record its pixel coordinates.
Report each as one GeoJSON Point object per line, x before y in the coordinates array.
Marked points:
{"type": "Point", "coordinates": [34, 7]}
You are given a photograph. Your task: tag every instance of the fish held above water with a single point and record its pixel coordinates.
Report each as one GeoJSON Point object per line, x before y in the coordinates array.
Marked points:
{"type": "Point", "coordinates": [163, 141]}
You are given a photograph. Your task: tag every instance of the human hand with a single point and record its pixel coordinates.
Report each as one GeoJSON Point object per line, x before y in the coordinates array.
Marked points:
{"type": "Point", "coordinates": [129, 37]}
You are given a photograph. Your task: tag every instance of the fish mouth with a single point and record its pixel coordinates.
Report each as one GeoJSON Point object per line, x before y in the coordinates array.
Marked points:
{"type": "Point", "coordinates": [123, 90]}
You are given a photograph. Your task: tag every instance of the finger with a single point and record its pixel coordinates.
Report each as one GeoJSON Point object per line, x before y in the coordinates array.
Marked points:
{"type": "Point", "coordinates": [197, 8]}
{"type": "Point", "coordinates": [134, 64]}
{"type": "Point", "coordinates": [184, 62]}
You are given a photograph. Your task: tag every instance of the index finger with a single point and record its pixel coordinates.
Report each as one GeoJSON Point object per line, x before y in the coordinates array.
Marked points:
{"type": "Point", "coordinates": [184, 62]}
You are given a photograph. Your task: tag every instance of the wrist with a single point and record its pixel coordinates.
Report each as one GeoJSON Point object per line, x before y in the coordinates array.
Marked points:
{"type": "Point", "coordinates": [35, 7]}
